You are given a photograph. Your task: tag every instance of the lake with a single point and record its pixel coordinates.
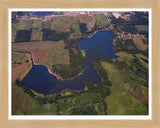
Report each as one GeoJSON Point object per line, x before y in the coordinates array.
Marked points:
{"type": "Point", "coordinates": [100, 45]}
{"type": "Point", "coordinates": [42, 13]}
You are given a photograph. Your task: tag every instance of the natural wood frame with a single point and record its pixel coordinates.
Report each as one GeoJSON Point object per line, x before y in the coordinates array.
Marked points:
{"type": "Point", "coordinates": [6, 4]}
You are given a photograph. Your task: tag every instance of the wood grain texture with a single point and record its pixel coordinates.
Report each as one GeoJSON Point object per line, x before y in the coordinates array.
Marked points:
{"type": "Point", "coordinates": [6, 4]}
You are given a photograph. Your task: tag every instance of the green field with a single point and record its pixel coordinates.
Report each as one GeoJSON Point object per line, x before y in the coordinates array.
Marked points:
{"type": "Point", "coordinates": [22, 25]}
{"type": "Point", "coordinates": [36, 35]}
{"type": "Point", "coordinates": [89, 20]}
{"type": "Point", "coordinates": [41, 45]}
{"type": "Point", "coordinates": [122, 101]}
{"type": "Point", "coordinates": [101, 20]}
{"type": "Point", "coordinates": [57, 57]}
{"type": "Point", "coordinates": [28, 105]}
{"type": "Point", "coordinates": [46, 24]}
{"type": "Point", "coordinates": [24, 104]}
{"type": "Point", "coordinates": [142, 27]}
{"type": "Point", "coordinates": [64, 23]}
{"type": "Point", "coordinates": [18, 58]}
{"type": "Point", "coordinates": [25, 25]}
{"type": "Point", "coordinates": [37, 23]}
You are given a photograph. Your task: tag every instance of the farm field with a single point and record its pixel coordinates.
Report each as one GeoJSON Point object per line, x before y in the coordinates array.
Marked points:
{"type": "Point", "coordinates": [101, 20]}
{"type": "Point", "coordinates": [58, 57]}
{"type": "Point", "coordinates": [64, 23]}
{"type": "Point", "coordinates": [142, 28]}
{"type": "Point", "coordinates": [40, 45]}
{"type": "Point", "coordinates": [24, 24]}
{"type": "Point", "coordinates": [48, 53]}
{"type": "Point", "coordinates": [36, 35]}
{"type": "Point", "coordinates": [89, 20]}
{"type": "Point", "coordinates": [37, 23]}
{"type": "Point", "coordinates": [139, 43]}
{"type": "Point", "coordinates": [21, 65]}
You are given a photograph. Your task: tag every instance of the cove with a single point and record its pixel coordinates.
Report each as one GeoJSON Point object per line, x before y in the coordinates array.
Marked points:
{"type": "Point", "coordinates": [40, 80]}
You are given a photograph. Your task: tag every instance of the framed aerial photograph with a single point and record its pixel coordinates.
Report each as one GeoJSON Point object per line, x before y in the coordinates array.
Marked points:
{"type": "Point", "coordinates": [84, 62]}
{"type": "Point", "coordinates": [74, 65]}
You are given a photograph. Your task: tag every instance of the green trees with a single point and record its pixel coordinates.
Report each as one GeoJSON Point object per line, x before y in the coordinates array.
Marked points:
{"type": "Point", "coordinates": [87, 109]}
{"type": "Point", "coordinates": [23, 36]}
{"type": "Point", "coordinates": [54, 35]}
{"type": "Point", "coordinates": [77, 61]}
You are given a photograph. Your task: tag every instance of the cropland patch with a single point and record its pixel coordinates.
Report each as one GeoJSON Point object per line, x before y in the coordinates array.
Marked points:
{"type": "Point", "coordinates": [39, 57]}
{"type": "Point", "coordinates": [101, 20]}
{"type": "Point", "coordinates": [41, 45]}
{"type": "Point", "coordinates": [89, 20]}
{"type": "Point", "coordinates": [24, 24]}
{"type": "Point", "coordinates": [21, 64]}
{"type": "Point", "coordinates": [142, 28]}
{"type": "Point", "coordinates": [37, 23]}
{"type": "Point", "coordinates": [139, 43]}
{"type": "Point", "coordinates": [64, 23]}
{"type": "Point", "coordinates": [21, 101]}
{"type": "Point", "coordinates": [36, 35]}
{"type": "Point", "coordinates": [58, 57]}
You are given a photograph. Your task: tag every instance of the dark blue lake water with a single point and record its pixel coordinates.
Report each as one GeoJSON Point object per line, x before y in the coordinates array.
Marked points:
{"type": "Point", "coordinates": [100, 45]}
{"type": "Point", "coordinates": [42, 13]}
{"type": "Point", "coordinates": [127, 13]}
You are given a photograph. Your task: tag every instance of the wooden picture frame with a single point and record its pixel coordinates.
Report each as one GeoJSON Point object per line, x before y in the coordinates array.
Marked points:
{"type": "Point", "coordinates": [4, 59]}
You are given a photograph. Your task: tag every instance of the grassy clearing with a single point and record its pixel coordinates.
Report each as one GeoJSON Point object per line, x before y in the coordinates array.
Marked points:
{"type": "Point", "coordinates": [125, 104]}
{"type": "Point", "coordinates": [89, 20]}
{"type": "Point", "coordinates": [83, 53]}
{"type": "Point", "coordinates": [15, 27]}
{"type": "Point", "coordinates": [37, 23]}
{"type": "Point", "coordinates": [36, 35]}
{"type": "Point", "coordinates": [74, 105]}
{"type": "Point", "coordinates": [41, 45]}
{"type": "Point", "coordinates": [66, 92]}
{"type": "Point", "coordinates": [57, 57]}
{"type": "Point", "coordinates": [126, 57]}
{"type": "Point", "coordinates": [116, 77]}
{"type": "Point", "coordinates": [139, 43]}
{"type": "Point", "coordinates": [19, 58]}
{"type": "Point", "coordinates": [46, 24]}
{"type": "Point", "coordinates": [101, 20]}
{"type": "Point", "coordinates": [64, 23]}
{"type": "Point", "coordinates": [22, 103]}
{"type": "Point", "coordinates": [142, 27]}
{"type": "Point", "coordinates": [121, 101]}
{"type": "Point", "coordinates": [87, 98]}
{"type": "Point", "coordinates": [24, 24]}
